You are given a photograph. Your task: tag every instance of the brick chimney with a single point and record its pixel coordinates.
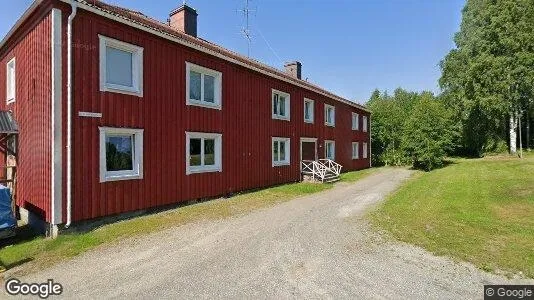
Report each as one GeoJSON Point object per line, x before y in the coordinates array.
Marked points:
{"type": "Point", "coordinates": [294, 69]}
{"type": "Point", "coordinates": [184, 18]}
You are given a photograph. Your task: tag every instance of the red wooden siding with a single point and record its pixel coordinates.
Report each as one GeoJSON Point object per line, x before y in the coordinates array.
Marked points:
{"type": "Point", "coordinates": [32, 51]}
{"type": "Point", "coordinates": [244, 121]}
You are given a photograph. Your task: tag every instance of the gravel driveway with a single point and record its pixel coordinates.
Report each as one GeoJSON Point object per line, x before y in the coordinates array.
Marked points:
{"type": "Point", "coordinates": [318, 246]}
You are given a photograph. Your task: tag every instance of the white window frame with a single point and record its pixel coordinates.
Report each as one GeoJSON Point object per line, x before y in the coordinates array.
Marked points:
{"type": "Point", "coordinates": [333, 123]}
{"type": "Point", "coordinates": [312, 112]}
{"type": "Point", "coordinates": [217, 101]}
{"type": "Point", "coordinates": [287, 117]}
{"type": "Point", "coordinates": [364, 123]}
{"type": "Point", "coordinates": [137, 163]}
{"type": "Point", "coordinates": [357, 154]}
{"type": "Point", "coordinates": [355, 121]}
{"type": "Point", "coordinates": [326, 142]}
{"type": "Point", "coordinates": [287, 161]}
{"type": "Point", "coordinates": [137, 67]}
{"type": "Point", "coordinates": [11, 81]}
{"type": "Point", "coordinates": [217, 167]}
{"type": "Point", "coordinates": [365, 150]}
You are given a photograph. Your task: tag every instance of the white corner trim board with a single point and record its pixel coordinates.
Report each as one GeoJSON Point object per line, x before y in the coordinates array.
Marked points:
{"type": "Point", "coordinates": [56, 119]}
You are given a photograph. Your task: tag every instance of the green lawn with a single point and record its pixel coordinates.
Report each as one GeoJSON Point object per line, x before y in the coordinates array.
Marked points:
{"type": "Point", "coordinates": [478, 210]}
{"type": "Point", "coordinates": [44, 252]}
{"type": "Point", "coordinates": [355, 176]}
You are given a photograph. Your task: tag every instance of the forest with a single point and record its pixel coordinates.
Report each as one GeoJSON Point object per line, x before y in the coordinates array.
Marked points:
{"type": "Point", "coordinates": [486, 102]}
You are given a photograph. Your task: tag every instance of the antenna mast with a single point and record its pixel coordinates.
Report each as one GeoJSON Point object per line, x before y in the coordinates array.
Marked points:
{"type": "Point", "coordinates": [246, 30]}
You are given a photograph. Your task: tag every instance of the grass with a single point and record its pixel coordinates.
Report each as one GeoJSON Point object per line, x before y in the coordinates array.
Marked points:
{"type": "Point", "coordinates": [43, 252]}
{"type": "Point", "coordinates": [477, 210]}
{"type": "Point", "coordinates": [355, 176]}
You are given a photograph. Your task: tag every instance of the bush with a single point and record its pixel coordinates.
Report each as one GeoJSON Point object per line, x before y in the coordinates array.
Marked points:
{"type": "Point", "coordinates": [428, 134]}
{"type": "Point", "coordinates": [389, 113]}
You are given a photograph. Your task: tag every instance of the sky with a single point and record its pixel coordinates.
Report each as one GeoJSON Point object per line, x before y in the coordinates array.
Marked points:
{"type": "Point", "coordinates": [349, 47]}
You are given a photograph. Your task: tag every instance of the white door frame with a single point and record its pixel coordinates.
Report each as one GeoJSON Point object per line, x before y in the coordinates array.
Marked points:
{"type": "Point", "coordinates": [307, 140]}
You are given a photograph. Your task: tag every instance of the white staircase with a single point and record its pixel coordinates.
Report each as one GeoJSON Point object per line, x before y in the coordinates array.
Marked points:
{"type": "Point", "coordinates": [322, 170]}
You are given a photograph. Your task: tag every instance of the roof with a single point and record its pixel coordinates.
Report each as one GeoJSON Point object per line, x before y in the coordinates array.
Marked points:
{"type": "Point", "coordinates": [8, 123]}
{"type": "Point", "coordinates": [143, 20]}
{"type": "Point", "coordinates": [139, 20]}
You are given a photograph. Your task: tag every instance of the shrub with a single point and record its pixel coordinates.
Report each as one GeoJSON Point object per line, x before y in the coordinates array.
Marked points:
{"type": "Point", "coordinates": [428, 133]}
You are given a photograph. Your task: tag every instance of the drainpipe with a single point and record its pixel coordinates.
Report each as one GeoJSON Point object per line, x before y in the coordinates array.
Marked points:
{"type": "Point", "coordinates": [74, 8]}
{"type": "Point", "coordinates": [370, 141]}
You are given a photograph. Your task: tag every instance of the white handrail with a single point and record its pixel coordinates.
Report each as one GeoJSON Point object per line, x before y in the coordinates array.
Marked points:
{"type": "Point", "coordinates": [320, 168]}
{"type": "Point", "coordinates": [314, 168]}
{"type": "Point", "coordinates": [332, 165]}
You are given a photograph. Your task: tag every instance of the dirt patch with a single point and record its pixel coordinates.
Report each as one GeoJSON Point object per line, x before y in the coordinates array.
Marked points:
{"type": "Point", "coordinates": [514, 211]}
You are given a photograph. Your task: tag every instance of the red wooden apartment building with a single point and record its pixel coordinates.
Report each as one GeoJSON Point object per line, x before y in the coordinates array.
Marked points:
{"type": "Point", "coordinates": [119, 112]}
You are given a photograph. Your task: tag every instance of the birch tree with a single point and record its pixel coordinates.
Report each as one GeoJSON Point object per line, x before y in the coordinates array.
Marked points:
{"type": "Point", "coordinates": [489, 76]}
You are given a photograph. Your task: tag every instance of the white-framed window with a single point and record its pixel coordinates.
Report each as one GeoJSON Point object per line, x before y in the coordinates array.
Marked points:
{"type": "Point", "coordinates": [355, 121]}
{"type": "Point", "coordinates": [121, 153]}
{"type": "Point", "coordinates": [281, 147]}
{"type": "Point", "coordinates": [280, 105]}
{"type": "Point", "coordinates": [308, 110]}
{"type": "Point", "coordinates": [121, 67]}
{"type": "Point", "coordinates": [355, 150]}
{"type": "Point", "coordinates": [330, 149]}
{"type": "Point", "coordinates": [364, 121]}
{"type": "Point", "coordinates": [11, 81]}
{"type": "Point", "coordinates": [203, 152]}
{"type": "Point", "coordinates": [329, 115]}
{"type": "Point", "coordinates": [203, 86]}
{"type": "Point", "coordinates": [364, 150]}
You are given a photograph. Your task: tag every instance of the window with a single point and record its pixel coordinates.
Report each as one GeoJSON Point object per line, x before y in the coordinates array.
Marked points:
{"type": "Point", "coordinates": [203, 152]}
{"type": "Point", "coordinates": [355, 121]}
{"type": "Point", "coordinates": [364, 123]}
{"type": "Point", "coordinates": [11, 144]}
{"type": "Point", "coordinates": [280, 105]}
{"type": "Point", "coordinates": [364, 150]}
{"type": "Point", "coordinates": [329, 115]}
{"type": "Point", "coordinates": [280, 151]}
{"type": "Point", "coordinates": [121, 67]}
{"type": "Point", "coordinates": [11, 85]}
{"type": "Point", "coordinates": [308, 110]}
{"type": "Point", "coordinates": [355, 150]}
{"type": "Point", "coordinates": [204, 86]}
{"type": "Point", "coordinates": [330, 150]}
{"type": "Point", "coordinates": [121, 154]}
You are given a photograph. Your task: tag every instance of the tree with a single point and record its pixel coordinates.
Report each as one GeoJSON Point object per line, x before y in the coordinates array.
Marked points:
{"type": "Point", "coordinates": [489, 76]}
{"type": "Point", "coordinates": [428, 133]}
{"type": "Point", "coordinates": [388, 116]}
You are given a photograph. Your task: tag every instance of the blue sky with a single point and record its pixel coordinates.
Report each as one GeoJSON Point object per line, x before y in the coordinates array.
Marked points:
{"type": "Point", "coordinates": [349, 47]}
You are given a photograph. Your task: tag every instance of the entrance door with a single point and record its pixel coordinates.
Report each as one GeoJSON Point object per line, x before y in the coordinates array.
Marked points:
{"type": "Point", "coordinates": [308, 149]}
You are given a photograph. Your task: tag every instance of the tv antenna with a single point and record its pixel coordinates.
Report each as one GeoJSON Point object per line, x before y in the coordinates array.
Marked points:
{"type": "Point", "coordinates": [246, 10]}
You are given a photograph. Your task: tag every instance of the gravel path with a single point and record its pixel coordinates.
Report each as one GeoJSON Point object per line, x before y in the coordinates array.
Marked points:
{"type": "Point", "coordinates": [318, 246]}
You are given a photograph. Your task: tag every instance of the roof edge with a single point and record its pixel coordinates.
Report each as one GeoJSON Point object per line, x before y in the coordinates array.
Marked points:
{"type": "Point", "coordinates": [177, 39]}
{"type": "Point", "coordinates": [20, 21]}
